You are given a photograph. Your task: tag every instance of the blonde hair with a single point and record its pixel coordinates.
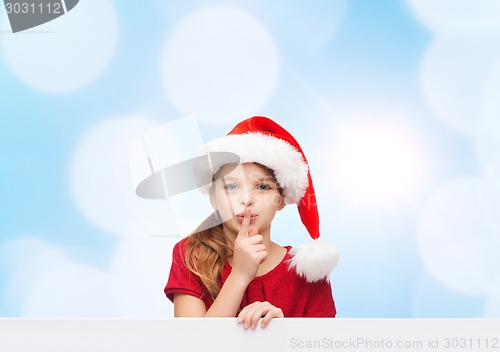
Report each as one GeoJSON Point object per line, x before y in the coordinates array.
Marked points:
{"type": "Point", "coordinates": [206, 252]}
{"type": "Point", "coordinates": [208, 249]}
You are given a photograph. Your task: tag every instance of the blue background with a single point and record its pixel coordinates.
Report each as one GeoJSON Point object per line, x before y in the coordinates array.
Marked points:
{"type": "Point", "coordinates": [340, 65]}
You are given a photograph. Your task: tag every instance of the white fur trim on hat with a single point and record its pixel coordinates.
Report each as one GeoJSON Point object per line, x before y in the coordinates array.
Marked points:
{"type": "Point", "coordinates": [315, 260]}
{"type": "Point", "coordinates": [289, 166]}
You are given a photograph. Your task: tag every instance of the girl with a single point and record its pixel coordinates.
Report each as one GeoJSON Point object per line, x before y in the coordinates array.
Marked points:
{"type": "Point", "coordinates": [230, 267]}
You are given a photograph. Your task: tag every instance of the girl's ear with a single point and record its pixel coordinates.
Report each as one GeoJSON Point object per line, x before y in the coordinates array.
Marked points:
{"type": "Point", "coordinates": [282, 203]}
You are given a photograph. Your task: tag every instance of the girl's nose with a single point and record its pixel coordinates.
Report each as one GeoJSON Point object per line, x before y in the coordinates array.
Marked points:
{"type": "Point", "coordinates": [246, 198]}
{"type": "Point", "coordinates": [247, 203]}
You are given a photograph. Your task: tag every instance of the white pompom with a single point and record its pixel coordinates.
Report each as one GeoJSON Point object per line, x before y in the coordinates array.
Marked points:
{"type": "Point", "coordinates": [315, 260]}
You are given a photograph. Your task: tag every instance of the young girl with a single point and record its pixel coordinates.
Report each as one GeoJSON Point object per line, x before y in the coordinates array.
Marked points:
{"type": "Point", "coordinates": [230, 267]}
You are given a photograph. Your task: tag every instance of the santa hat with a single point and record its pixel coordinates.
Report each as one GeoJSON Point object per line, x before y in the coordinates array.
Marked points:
{"type": "Point", "coordinates": [261, 140]}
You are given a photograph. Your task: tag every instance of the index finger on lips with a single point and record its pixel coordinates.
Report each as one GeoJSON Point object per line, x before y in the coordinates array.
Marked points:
{"type": "Point", "coordinates": [245, 224]}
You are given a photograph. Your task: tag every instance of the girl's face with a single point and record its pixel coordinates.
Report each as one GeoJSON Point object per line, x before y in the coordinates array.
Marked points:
{"type": "Point", "coordinates": [251, 185]}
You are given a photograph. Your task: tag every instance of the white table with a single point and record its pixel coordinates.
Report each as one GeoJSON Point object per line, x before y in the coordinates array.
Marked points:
{"type": "Point", "coordinates": [225, 334]}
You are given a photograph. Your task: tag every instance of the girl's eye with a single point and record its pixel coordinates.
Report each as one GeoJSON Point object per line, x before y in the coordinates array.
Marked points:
{"type": "Point", "coordinates": [263, 187]}
{"type": "Point", "coordinates": [231, 186]}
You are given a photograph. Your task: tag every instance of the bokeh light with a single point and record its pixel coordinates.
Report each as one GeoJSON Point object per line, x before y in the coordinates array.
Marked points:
{"type": "Point", "coordinates": [47, 283]}
{"type": "Point", "coordinates": [219, 63]}
{"type": "Point", "coordinates": [492, 307]}
{"type": "Point", "coordinates": [454, 74]}
{"type": "Point", "coordinates": [491, 103]}
{"type": "Point", "coordinates": [376, 163]}
{"type": "Point", "coordinates": [448, 16]}
{"type": "Point", "coordinates": [86, 285]}
{"type": "Point", "coordinates": [302, 28]}
{"type": "Point", "coordinates": [490, 193]}
{"type": "Point", "coordinates": [138, 274]}
{"type": "Point", "coordinates": [456, 242]}
{"type": "Point", "coordinates": [73, 51]}
{"type": "Point", "coordinates": [102, 185]}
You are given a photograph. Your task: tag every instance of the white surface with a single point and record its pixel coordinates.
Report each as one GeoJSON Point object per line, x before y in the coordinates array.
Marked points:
{"type": "Point", "coordinates": [225, 334]}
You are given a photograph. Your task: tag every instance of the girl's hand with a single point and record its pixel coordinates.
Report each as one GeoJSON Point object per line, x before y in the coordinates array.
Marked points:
{"type": "Point", "coordinates": [249, 251]}
{"type": "Point", "coordinates": [251, 314]}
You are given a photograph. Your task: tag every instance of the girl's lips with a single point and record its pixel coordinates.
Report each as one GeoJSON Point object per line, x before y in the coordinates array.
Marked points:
{"type": "Point", "coordinates": [240, 217]}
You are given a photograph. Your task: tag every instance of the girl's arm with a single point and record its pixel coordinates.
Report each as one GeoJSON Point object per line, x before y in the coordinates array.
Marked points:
{"type": "Point", "coordinates": [188, 306]}
{"type": "Point", "coordinates": [226, 304]}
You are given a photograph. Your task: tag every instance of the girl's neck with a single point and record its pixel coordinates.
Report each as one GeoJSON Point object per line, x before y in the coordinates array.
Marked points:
{"type": "Point", "coordinates": [275, 254]}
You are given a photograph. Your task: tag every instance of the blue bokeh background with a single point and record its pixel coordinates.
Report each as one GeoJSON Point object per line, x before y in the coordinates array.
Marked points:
{"type": "Point", "coordinates": [420, 77]}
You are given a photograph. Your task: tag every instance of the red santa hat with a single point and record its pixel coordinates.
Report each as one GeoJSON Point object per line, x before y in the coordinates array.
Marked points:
{"type": "Point", "coordinates": [261, 140]}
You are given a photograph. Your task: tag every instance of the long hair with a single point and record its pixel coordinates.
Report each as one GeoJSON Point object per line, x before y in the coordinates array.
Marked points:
{"type": "Point", "coordinates": [208, 248]}
{"type": "Point", "coordinates": [206, 252]}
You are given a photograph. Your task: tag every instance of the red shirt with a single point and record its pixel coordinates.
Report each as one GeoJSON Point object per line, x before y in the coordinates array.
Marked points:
{"type": "Point", "coordinates": [281, 287]}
